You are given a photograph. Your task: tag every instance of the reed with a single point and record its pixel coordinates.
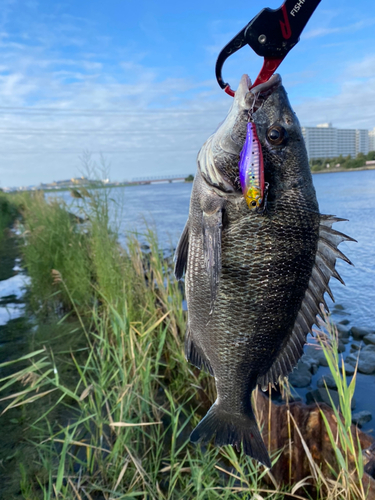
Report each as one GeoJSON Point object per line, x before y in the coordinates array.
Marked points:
{"type": "Point", "coordinates": [8, 213]}
{"type": "Point", "coordinates": [346, 442]}
{"type": "Point", "coordinates": [130, 400]}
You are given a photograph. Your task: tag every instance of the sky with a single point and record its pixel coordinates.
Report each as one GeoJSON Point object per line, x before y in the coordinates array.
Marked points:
{"type": "Point", "coordinates": [130, 85]}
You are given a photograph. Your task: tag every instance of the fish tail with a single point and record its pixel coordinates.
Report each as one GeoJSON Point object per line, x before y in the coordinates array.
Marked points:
{"type": "Point", "coordinates": [234, 429]}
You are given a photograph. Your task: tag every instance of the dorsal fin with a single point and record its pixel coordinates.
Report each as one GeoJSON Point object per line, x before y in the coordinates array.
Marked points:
{"type": "Point", "coordinates": [322, 271]}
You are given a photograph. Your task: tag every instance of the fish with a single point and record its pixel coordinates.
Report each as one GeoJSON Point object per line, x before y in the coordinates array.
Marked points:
{"type": "Point", "coordinates": [255, 280]}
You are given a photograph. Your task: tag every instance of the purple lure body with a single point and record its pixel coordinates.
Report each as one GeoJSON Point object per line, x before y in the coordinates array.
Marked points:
{"type": "Point", "coordinates": [251, 169]}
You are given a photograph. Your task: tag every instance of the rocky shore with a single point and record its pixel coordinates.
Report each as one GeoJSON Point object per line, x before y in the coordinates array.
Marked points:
{"type": "Point", "coordinates": [313, 382]}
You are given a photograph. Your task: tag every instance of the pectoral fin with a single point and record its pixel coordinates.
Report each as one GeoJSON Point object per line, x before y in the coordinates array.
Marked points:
{"type": "Point", "coordinates": [212, 230]}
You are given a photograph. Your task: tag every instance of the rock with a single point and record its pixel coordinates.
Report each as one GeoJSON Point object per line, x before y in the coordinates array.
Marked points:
{"type": "Point", "coordinates": [325, 396]}
{"type": "Point", "coordinates": [369, 339]}
{"type": "Point", "coordinates": [339, 310]}
{"type": "Point", "coordinates": [370, 468]}
{"type": "Point", "coordinates": [328, 380]}
{"type": "Point", "coordinates": [361, 418]}
{"type": "Point", "coordinates": [301, 375]}
{"type": "Point", "coordinates": [352, 359]}
{"type": "Point", "coordinates": [349, 369]}
{"type": "Point", "coordinates": [366, 363]}
{"type": "Point", "coordinates": [343, 331]}
{"type": "Point", "coordinates": [316, 354]}
{"type": "Point", "coordinates": [359, 333]}
{"type": "Point", "coordinates": [338, 307]}
{"type": "Point", "coordinates": [356, 346]}
{"type": "Point", "coordinates": [369, 460]}
{"type": "Point", "coordinates": [340, 346]}
{"type": "Point", "coordinates": [344, 322]}
{"type": "Point", "coordinates": [314, 367]}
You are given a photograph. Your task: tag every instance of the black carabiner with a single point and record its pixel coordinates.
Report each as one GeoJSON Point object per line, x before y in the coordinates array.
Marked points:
{"type": "Point", "coordinates": [271, 34]}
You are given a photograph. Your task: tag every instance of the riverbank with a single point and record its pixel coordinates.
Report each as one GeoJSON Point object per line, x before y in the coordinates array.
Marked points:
{"type": "Point", "coordinates": [333, 170]}
{"type": "Point", "coordinates": [128, 398]}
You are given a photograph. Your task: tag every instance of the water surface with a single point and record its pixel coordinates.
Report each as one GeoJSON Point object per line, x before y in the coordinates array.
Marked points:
{"type": "Point", "coordinates": [348, 195]}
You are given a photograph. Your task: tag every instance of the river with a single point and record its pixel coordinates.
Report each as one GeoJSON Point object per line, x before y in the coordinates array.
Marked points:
{"type": "Point", "coordinates": [349, 195]}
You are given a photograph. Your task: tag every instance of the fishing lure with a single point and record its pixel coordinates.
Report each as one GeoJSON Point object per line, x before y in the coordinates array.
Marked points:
{"type": "Point", "coordinates": [251, 169]}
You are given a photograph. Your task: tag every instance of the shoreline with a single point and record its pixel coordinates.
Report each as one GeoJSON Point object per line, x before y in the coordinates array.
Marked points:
{"type": "Point", "coordinates": [112, 186]}
{"type": "Point", "coordinates": [334, 169]}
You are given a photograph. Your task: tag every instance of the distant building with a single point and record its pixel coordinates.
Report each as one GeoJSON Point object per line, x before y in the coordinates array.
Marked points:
{"type": "Point", "coordinates": [371, 140]}
{"type": "Point", "coordinates": [68, 183]}
{"type": "Point", "coordinates": [325, 141]}
{"type": "Point", "coordinates": [321, 141]}
{"type": "Point", "coordinates": [362, 141]}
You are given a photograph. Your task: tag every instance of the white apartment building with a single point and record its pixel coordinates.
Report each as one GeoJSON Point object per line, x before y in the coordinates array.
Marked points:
{"type": "Point", "coordinates": [371, 140]}
{"type": "Point", "coordinates": [325, 141]}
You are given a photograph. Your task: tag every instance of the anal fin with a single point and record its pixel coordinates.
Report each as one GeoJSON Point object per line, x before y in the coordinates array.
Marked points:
{"type": "Point", "coordinates": [195, 355]}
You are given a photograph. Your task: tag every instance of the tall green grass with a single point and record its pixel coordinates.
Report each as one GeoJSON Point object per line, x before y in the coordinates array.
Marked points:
{"type": "Point", "coordinates": [131, 399]}
{"type": "Point", "coordinates": [346, 442]}
{"type": "Point", "coordinates": [8, 212]}
{"type": "Point", "coordinates": [78, 249]}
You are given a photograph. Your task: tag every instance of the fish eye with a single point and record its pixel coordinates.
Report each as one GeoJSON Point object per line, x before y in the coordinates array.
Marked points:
{"type": "Point", "coordinates": [276, 135]}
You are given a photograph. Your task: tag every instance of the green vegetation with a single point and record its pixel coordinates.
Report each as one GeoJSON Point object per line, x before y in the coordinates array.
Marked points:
{"type": "Point", "coordinates": [341, 162]}
{"type": "Point", "coordinates": [350, 476]}
{"type": "Point", "coordinates": [8, 212]}
{"type": "Point", "coordinates": [117, 399]}
{"type": "Point", "coordinates": [189, 178]}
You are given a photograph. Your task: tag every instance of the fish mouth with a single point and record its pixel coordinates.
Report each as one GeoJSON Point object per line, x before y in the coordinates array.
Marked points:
{"type": "Point", "coordinates": [219, 156]}
{"type": "Point", "coordinates": [259, 94]}
{"type": "Point", "coordinates": [251, 167]}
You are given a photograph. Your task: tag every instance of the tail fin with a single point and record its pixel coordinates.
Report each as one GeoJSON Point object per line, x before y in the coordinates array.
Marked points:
{"type": "Point", "coordinates": [234, 429]}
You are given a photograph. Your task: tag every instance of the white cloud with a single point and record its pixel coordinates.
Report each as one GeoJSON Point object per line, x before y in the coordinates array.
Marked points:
{"type": "Point", "coordinates": [145, 121]}
{"type": "Point", "coordinates": [54, 108]}
{"type": "Point", "coordinates": [352, 106]}
{"type": "Point", "coordinates": [351, 28]}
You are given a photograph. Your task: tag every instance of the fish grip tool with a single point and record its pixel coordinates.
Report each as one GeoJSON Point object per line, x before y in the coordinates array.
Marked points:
{"type": "Point", "coordinates": [271, 34]}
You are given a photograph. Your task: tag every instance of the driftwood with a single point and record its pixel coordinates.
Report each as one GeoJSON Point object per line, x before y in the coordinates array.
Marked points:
{"type": "Point", "coordinates": [280, 422]}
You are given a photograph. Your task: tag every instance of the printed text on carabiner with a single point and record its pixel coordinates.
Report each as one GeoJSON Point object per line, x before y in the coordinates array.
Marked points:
{"type": "Point", "coordinates": [297, 7]}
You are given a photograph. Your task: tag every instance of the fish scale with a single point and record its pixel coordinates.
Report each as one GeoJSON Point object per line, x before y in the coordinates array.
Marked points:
{"type": "Point", "coordinates": [255, 280]}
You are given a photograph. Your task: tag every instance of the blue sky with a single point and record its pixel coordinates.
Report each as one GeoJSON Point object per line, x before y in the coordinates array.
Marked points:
{"type": "Point", "coordinates": [134, 80]}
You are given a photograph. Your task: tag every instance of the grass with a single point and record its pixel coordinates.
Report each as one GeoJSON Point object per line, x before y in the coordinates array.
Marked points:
{"type": "Point", "coordinates": [126, 396]}
{"type": "Point", "coordinates": [8, 213]}
{"type": "Point", "coordinates": [345, 443]}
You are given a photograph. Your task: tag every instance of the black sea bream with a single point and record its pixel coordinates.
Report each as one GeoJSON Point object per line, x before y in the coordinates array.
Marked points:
{"type": "Point", "coordinates": [255, 278]}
